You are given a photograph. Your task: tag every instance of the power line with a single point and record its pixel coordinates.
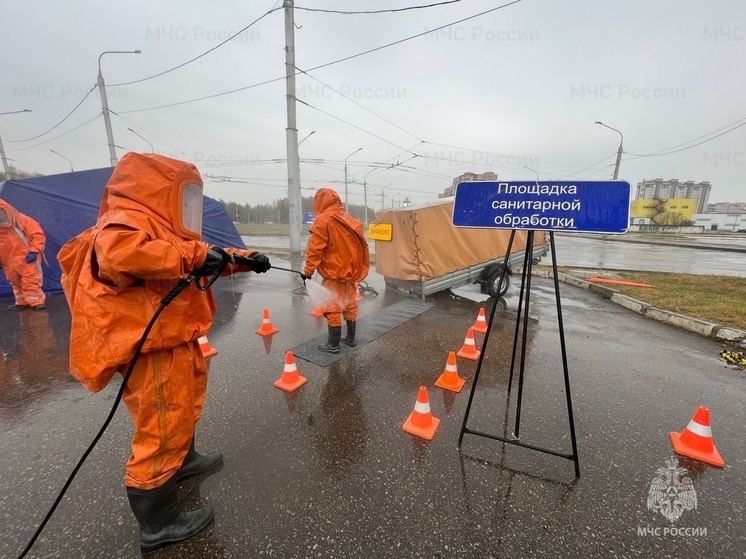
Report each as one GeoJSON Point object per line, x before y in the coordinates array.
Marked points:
{"type": "Point", "coordinates": [359, 104]}
{"type": "Point", "coordinates": [323, 65]}
{"type": "Point", "coordinates": [377, 11]}
{"type": "Point", "coordinates": [60, 122]}
{"type": "Point", "coordinates": [656, 154]}
{"type": "Point", "coordinates": [350, 124]}
{"type": "Point", "coordinates": [56, 137]}
{"type": "Point", "coordinates": [196, 57]}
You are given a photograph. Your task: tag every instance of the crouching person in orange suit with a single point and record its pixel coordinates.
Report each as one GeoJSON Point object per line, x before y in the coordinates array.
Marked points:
{"type": "Point", "coordinates": [115, 275]}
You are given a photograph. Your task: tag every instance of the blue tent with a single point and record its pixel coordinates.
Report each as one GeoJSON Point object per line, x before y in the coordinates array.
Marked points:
{"type": "Point", "coordinates": [67, 204]}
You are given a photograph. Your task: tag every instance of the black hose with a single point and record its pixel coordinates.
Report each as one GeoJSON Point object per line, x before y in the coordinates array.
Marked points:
{"type": "Point", "coordinates": [164, 303]}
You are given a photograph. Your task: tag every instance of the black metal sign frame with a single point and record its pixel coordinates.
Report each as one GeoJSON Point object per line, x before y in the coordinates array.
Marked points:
{"type": "Point", "coordinates": [523, 307]}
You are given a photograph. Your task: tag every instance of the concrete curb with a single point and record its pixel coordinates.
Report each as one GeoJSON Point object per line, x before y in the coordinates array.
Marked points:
{"type": "Point", "coordinates": [707, 329]}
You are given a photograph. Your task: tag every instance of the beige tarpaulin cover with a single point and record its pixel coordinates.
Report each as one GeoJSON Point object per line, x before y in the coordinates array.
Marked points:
{"type": "Point", "coordinates": [425, 244]}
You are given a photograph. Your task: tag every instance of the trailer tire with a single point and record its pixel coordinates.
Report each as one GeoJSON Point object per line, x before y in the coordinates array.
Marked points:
{"type": "Point", "coordinates": [492, 283]}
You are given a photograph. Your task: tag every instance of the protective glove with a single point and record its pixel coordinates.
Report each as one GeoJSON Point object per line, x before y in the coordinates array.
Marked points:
{"type": "Point", "coordinates": [213, 262]}
{"type": "Point", "coordinates": [304, 277]}
{"type": "Point", "coordinates": [31, 257]}
{"type": "Point", "coordinates": [259, 263]}
{"type": "Point", "coordinates": [227, 257]}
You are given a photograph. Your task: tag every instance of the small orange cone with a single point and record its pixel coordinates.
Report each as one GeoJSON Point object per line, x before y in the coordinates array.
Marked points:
{"type": "Point", "coordinates": [266, 329]}
{"type": "Point", "coordinates": [469, 349]}
{"type": "Point", "coordinates": [317, 312]}
{"type": "Point", "coordinates": [695, 441]}
{"type": "Point", "coordinates": [421, 422]}
{"type": "Point", "coordinates": [207, 349]}
{"type": "Point", "coordinates": [290, 379]}
{"type": "Point", "coordinates": [481, 324]}
{"type": "Point", "coordinates": [450, 379]}
{"type": "Point", "coordinates": [358, 295]}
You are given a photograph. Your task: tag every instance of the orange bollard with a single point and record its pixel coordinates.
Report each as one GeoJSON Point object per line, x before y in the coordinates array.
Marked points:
{"type": "Point", "coordinates": [469, 349]}
{"type": "Point", "coordinates": [290, 379]}
{"type": "Point", "coordinates": [317, 312]}
{"type": "Point", "coordinates": [481, 324]}
{"type": "Point", "coordinates": [450, 379]}
{"type": "Point", "coordinates": [267, 329]}
{"type": "Point", "coordinates": [207, 349]}
{"type": "Point", "coordinates": [421, 422]}
{"type": "Point", "coordinates": [695, 441]}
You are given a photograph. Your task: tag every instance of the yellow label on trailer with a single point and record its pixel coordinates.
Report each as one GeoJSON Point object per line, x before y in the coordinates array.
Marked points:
{"type": "Point", "coordinates": [380, 231]}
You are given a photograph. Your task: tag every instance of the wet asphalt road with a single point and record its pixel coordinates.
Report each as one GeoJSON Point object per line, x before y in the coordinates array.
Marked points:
{"type": "Point", "coordinates": [328, 471]}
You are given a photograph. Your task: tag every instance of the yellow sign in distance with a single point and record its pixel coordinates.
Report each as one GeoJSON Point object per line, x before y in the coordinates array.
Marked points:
{"type": "Point", "coordinates": [380, 231]}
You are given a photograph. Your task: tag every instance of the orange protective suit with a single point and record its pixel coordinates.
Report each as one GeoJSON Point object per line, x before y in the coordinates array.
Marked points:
{"type": "Point", "coordinates": [339, 251]}
{"type": "Point", "coordinates": [19, 235]}
{"type": "Point", "coordinates": [115, 276]}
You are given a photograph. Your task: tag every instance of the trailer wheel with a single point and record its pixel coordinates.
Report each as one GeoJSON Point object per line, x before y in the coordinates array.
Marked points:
{"type": "Point", "coordinates": [492, 285]}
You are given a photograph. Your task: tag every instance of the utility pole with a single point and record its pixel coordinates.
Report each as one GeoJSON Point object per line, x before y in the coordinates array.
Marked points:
{"type": "Point", "coordinates": [619, 151]}
{"type": "Point", "coordinates": [291, 133]}
{"type": "Point", "coordinates": [105, 104]}
{"type": "Point", "coordinates": [6, 167]}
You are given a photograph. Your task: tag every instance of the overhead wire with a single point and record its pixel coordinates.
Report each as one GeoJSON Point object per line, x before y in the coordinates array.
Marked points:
{"type": "Point", "coordinates": [56, 137]}
{"type": "Point", "coordinates": [212, 96]}
{"type": "Point", "coordinates": [656, 154]}
{"type": "Point", "coordinates": [199, 56]}
{"type": "Point", "coordinates": [392, 10]}
{"type": "Point", "coordinates": [60, 122]}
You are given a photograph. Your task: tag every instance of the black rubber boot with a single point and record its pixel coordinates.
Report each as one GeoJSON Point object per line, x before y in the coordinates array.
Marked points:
{"type": "Point", "coordinates": [161, 521]}
{"type": "Point", "coordinates": [196, 463]}
{"type": "Point", "coordinates": [349, 339]}
{"type": "Point", "coordinates": [332, 345]}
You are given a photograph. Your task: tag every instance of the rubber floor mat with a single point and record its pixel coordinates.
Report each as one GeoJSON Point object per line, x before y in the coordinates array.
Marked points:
{"type": "Point", "coordinates": [368, 329]}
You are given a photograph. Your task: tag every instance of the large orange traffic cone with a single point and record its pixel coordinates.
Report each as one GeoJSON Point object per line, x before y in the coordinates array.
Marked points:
{"type": "Point", "coordinates": [290, 379]}
{"type": "Point", "coordinates": [696, 440]}
{"type": "Point", "coordinates": [207, 349]}
{"type": "Point", "coordinates": [469, 349]}
{"type": "Point", "coordinates": [450, 379]}
{"type": "Point", "coordinates": [481, 324]}
{"type": "Point", "coordinates": [318, 311]}
{"type": "Point", "coordinates": [267, 329]}
{"type": "Point", "coordinates": [421, 422]}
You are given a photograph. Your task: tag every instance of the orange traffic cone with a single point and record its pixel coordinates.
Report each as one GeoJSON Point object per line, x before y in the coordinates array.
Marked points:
{"type": "Point", "coordinates": [450, 379]}
{"type": "Point", "coordinates": [421, 422]}
{"type": "Point", "coordinates": [481, 324]}
{"type": "Point", "coordinates": [207, 349]}
{"type": "Point", "coordinates": [696, 440]}
{"type": "Point", "coordinates": [290, 379]}
{"type": "Point", "coordinates": [469, 349]}
{"type": "Point", "coordinates": [317, 312]}
{"type": "Point", "coordinates": [358, 295]}
{"type": "Point", "coordinates": [266, 329]}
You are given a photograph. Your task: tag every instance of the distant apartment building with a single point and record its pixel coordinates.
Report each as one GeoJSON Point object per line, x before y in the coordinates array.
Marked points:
{"type": "Point", "coordinates": [661, 189]}
{"type": "Point", "coordinates": [726, 208]}
{"type": "Point", "coordinates": [466, 177]}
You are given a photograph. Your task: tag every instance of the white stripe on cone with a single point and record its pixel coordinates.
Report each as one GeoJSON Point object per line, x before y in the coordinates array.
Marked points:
{"type": "Point", "coordinates": [422, 407]}
{"type": "Point", "coordinates": [699, 429]}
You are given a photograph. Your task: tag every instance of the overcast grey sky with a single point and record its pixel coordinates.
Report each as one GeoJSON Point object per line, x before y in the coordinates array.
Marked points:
{"type": "Point", "coordinates": [519, 86]}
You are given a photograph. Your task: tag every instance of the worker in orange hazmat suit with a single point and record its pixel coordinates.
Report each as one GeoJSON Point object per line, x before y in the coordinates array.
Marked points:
{"type": "Point", "coordinates": [339, 251]}
{"type": "Point", "coordinates": [22, 240]}
{"type": "Point", "coordinates": [115, 275]}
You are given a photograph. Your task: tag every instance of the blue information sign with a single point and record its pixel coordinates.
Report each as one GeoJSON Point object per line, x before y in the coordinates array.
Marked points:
{"type": "Point", "coordinates": [587, 206]}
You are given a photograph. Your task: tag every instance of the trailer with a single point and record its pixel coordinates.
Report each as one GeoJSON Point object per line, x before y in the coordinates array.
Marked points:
{"type": "Point", "coordinates": [419, 252]}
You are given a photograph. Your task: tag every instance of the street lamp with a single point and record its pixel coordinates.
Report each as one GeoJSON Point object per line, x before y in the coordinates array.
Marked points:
{"type": "Point", "coordinates": [142, 138]}
{"type": "Point", "coordinates": [2, 150]}
{"type": "Point", "coordinates": [105, 103]}
{"type": "Point", "coordinates": [65, 158]}
{"type": "Point", "coordinates": [383, 189]}
{"type": "Point", "coordinates": [619, 152]}
{"type": "Point", "coordinates": [346, 158]}
{"type": "Point", "coordinates": [304, 139]}
{"type": "Point", "coordinates": [537, 173]}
